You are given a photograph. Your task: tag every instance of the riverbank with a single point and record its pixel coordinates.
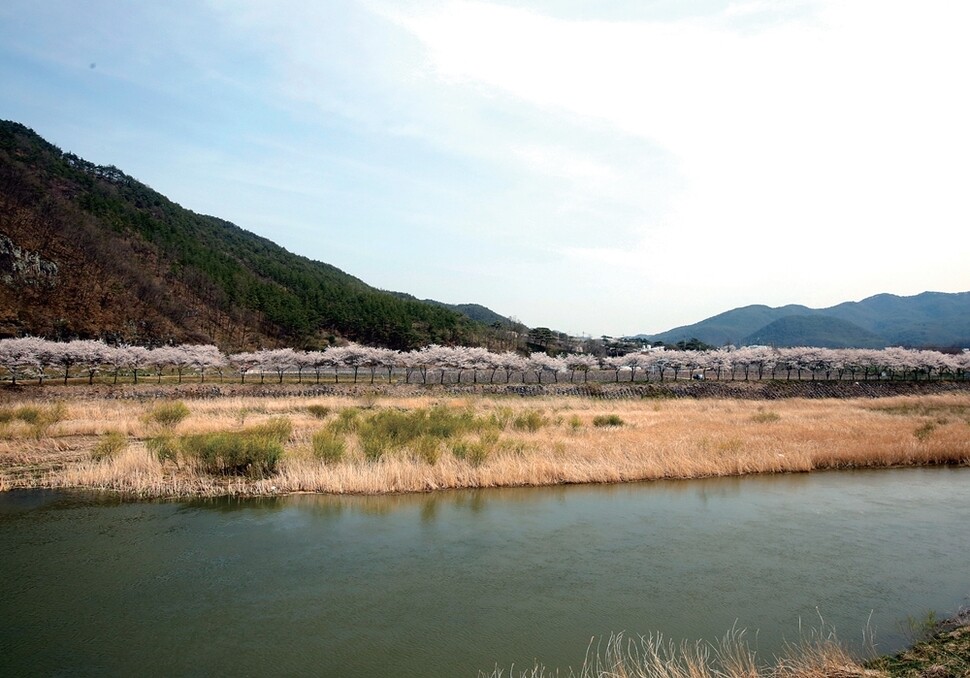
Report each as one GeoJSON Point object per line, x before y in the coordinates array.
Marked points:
{"type": "Point", "coordinates": [943, 652]}
{"type": "Point", "coordinates": [371, 441]}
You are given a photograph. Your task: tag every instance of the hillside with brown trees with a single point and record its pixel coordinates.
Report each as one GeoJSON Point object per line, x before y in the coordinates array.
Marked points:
{"type": "Point", "coordinates": [87, 251]}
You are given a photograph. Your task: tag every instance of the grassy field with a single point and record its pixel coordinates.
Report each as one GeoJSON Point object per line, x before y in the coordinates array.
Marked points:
{"type": "Point", "coordinates": [384, 443]}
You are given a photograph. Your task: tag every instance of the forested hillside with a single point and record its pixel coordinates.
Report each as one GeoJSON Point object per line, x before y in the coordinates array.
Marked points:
{"type": "Point", "coordinates": [814, 330]}
{"type": "Point", "coordinates": [87, 251]}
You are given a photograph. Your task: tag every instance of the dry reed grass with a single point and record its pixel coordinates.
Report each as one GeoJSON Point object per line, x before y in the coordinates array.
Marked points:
{"type": "Point", "coordinates": [658, 439]}
{"type": "Point", "coordinates": [818, 655]}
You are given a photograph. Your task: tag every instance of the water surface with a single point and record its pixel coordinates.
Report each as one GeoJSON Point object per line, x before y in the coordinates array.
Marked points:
{"type": "Point", "coordinates": [450, 583]}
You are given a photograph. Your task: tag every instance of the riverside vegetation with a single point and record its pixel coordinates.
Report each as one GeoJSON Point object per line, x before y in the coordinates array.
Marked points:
{"type": "Point", "coordinates": [940, 650]}
{"type": "Point", "coordinates": [377, 443]}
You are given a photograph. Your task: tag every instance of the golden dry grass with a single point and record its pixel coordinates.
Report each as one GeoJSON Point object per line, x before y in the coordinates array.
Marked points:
{"type": "Point", "coordinates": [658, 439]}
{"type": "Point", "coordinates": [816, 656]}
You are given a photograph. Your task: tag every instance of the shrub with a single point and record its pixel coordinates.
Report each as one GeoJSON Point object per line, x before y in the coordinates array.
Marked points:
{"type": "Point", "coordinates": [924, 431]}
{"type": "Point", "coordinates": [607, 420]}
{"type": "Point", "coordinates": [35, 415]}
{"type": "Point", "coordinates": [255, 451]}
{"type": "Point", "coordinates": [502, 417]}
{"type": "Point", "coordinates": [373, 443]}
{"type": "Point", "coordinates": [39, 418]}
{"type": "Point", "coordinates": [530, 420]}
{"type": "Point", "coordinates": [164, 447]}
{"type": "Point", "coordinates": [489, 438]}
{"type": "Point", "coordinates": [427, 448]}
{"type": "Point", "coordinates": [277, 429]}
{"type": "Point", "coordinates": [233, 453]}
{"type": "Point", "coordinates": [318, 411]}
{"type": "Point", "coordinates": [109, 445]}
{"type": "Point", "coordinates": [442, 422]}
{"type": "Point", "coordinates": [328, 447]}
{"type": "Point", "coordinates": [474, 453]}
{"type": "Point", "coordinates": [29, 414]}
{"type": "Point", "coordinates": [392, 429]}
{"type": "Point", "coordinates": [765, 417]}
{"type": "Point", "coordinates": [168, 414]}
{"type": "Point", "coordinates": [347, 421]}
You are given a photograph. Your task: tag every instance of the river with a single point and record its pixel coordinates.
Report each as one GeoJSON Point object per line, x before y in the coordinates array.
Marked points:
{"type": "Point", "coordinates": [452, 583]}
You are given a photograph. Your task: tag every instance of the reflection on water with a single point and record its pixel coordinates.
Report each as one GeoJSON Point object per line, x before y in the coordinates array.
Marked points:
{"type": "Point", "coordinates": [452, 582]}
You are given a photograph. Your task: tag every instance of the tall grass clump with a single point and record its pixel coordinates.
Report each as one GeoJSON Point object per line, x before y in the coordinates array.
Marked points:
{"type": "Point", "coordinates": [388, 430]}
{"type": "Point", "coordinates": [168, 414]}
{"type": "Point", "coordinates": [109, 445]}
{"type": "Point", "coordinates": [38, 418]}
{"type": "Point", "coordinates": [530, 420]}
{"type": "Point", "coordinates": [601, 420]}
{"type": "Point", "coordinates": [29, 414]}
{"type": "Point", "coordinates": [164, 448]}
{"type": "Point", "coordinates": [502, 417]}
{"type": "Point", "coordinates": [763, 416]}
{"type": "Point", "coordinates": [347, 421]}
{"type": "Point", "coordinates": [924, 431]}
{"type": "Point", "coordinates": [732, 657]}
{"type": "Point", "coordinates": [278, 428]}
{"type": "Point", "coordinates": [233, 453]}
{"type": "Point", "coordinates": [253, 452]}
{"type": "Point", "coordinates": [318, 411]}
{"type": "Point", "coordinates": [328, 447]}
{"type": "Point", "coordinates": [474, 453]}
{"type": "Point", "coordinates": [427, 448]}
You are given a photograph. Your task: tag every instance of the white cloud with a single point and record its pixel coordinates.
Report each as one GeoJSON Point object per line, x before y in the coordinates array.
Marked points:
{"type": "Point", "coordinates": [807, 134]}
{"type": "Point", "coordinates": [625, 175]}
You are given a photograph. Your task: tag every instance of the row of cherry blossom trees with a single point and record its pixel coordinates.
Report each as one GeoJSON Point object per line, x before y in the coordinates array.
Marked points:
{"type": "Point", "coordinates": [40, 359]}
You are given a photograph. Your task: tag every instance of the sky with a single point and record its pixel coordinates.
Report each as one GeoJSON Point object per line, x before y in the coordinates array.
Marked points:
{"type": "Point", "coordinates": [594, 167]}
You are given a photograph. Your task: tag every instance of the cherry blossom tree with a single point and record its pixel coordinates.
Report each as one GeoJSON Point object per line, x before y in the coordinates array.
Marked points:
{"type": "Point", "coordinates": [204, 357]}
{"type": "Point", "coordinates": [436, 357]}
{"type": "Point", "coordinates": [719, 360]}
{"type": "Point", "coordinates": [278, 360]}
{"type": "Point", "coordinates": [245, 361]}
{"type": "Point", "coordinates": [68, 355]}
{"type": "Point", "coordinates": [19, 356]}
{"type": "Point", "coordinates": [354, 356]}
{"type": "Point", "coordinates": [510, 362]}
{"type": "Point", "coordinates": [580, 362]}
{"type": "Point", "coordinates": [92, 354]}
{"type": "Point", "coordinates": [334, 356]}
{"type": "Point", "coordinates": [540, 363]}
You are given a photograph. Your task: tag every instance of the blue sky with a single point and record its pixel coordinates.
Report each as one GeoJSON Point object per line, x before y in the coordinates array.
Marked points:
{"type": "Point", "coordinates": [601, 168]}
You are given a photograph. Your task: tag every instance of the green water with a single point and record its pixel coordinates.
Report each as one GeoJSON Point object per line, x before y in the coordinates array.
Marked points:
{"type": "Point", "coordinates": [451, 583]}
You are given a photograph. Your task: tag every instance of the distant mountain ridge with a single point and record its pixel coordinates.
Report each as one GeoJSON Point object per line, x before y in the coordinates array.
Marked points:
{"type": "Point", "coordinates": [87, 251]}
{"type": "Point", "coordinates": [937, 319]}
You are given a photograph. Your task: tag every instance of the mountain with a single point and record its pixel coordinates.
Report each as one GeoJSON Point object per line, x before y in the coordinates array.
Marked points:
{"type": "Point", "coordinates": [728, 327]}
{"type": "Point", "coordinates": [929, 319]}
{"type": "Point", "coordinates": [88, 251]}
{"type": "Point", "coordinates": [814, 330]}
{"type": "Point", "coordinates": [477, 312]}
